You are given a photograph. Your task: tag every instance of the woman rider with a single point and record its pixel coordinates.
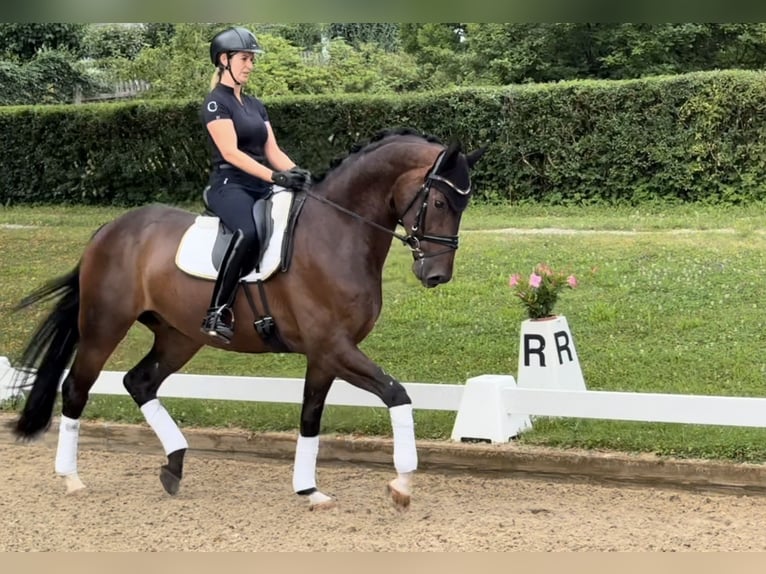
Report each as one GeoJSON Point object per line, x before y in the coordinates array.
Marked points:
{"type": "Point", "coordinates": [246, 160]}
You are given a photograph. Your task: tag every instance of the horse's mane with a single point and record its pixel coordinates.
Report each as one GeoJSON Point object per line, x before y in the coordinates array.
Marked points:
{"type": "Point", "coordinates": [378, 139]}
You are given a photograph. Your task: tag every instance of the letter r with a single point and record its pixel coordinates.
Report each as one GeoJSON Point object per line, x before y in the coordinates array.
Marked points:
{"type": "Point", "coordinates": [534, 345]}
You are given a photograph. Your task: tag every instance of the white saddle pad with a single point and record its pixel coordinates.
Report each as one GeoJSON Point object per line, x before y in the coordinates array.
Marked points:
{"type": "Point", "coordinates": [194, 251]}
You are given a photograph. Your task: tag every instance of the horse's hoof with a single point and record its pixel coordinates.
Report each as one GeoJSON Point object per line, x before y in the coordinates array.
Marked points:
{"type": "Point", "coordinates": [170, 482]}
{"type": "Point", "coordinates": [320, 501]}
{"type": "Point", "coordinates": [400, 499]}
{"type": "Point", "coordinates": [73, 484]}
{"type": "Point", "coordinates": [321, 506]}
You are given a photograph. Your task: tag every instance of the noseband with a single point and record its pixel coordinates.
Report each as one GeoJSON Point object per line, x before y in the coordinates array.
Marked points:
{"type": "Point", "coordinates": [416, 235]}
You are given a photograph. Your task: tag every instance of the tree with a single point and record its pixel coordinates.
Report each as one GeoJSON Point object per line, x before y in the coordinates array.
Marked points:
{"type": "Point", "coordinates": [48, 78]}
{"type": "Point", "coordinates": [104, 41]}
{"type": "Point", "coordinates": [180, 69]}
{"type": "Point", "coordinates": [515, 53]}
{"type": "Point", "coordinates": [439, 49]}
{"type": "Point", "coordinates": [501, 54]}
{"type": "Point", "coordinates": [385, 35]}
{"type": "Point", "coordinates": [388, 57]}
{"type": "Point", "coordinates": [739, 46]}
{"type": "Point", "coordinates": [23, 41]}
{"type": "Point", "coordinates": [305, 36]}
{"type": "Point", "coordinates": [158, 33]}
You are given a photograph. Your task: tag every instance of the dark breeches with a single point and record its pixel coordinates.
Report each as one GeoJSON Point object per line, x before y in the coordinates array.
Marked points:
{"type": "Point", "coordinates": [233, 204]}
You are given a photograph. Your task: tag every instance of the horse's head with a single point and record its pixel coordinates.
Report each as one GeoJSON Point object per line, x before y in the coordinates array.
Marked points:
{"type": "Point", "coordinates": [431, 211]}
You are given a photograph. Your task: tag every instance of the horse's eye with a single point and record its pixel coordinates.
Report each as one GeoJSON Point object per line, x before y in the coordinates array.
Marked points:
{"type": "Point", "coordinates": [438, 203]}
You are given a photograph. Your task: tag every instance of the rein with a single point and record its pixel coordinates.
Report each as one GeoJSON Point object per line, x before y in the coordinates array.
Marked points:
{"type": "Point", "coordinates": [413, 239]}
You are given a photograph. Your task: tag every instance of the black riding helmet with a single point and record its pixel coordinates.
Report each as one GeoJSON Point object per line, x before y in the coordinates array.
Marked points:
{"type": "Point", "coordinates": [235, 39]}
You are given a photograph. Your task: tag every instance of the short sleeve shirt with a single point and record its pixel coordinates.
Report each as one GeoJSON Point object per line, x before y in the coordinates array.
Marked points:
{"type": "Point", "coordinates": [249, 118]}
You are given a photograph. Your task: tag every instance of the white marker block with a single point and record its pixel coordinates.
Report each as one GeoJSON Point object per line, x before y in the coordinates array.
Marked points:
{"type": "Point", "coordinates": [483, 415]}
{"type": "Point", "coordinates": [547, 356]}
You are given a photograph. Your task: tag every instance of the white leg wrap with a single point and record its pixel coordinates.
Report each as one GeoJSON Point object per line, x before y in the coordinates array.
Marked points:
{"type": "Point", "coordinates": [66, 453]}
{"type": "Point", "coordinates": [403, 426]}
{"type": "Point", "coordinates": [304, 468]}
{"type": "Point", "coordinates": [164, 426]}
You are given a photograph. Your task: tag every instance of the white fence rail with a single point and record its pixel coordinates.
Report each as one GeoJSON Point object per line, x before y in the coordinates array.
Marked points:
{"type": "Point", "coordinates": [281, 390]}
{"type": "Point", "coordinates": [648, 407]}
{"type": "Point", "coordinates": [261, 389]}
{"type": "Point", "coordinates": [479, 418]}
{"type": "Point", "coordinates": [489, 407]}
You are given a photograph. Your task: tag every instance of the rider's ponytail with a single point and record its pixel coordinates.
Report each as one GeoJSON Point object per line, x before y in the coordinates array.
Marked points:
{"type": "Point", "coordinates": [216, 79]}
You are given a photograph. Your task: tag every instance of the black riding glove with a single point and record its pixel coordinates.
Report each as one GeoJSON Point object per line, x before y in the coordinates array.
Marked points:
{"type": "Point", "coordinates": [295, 178]}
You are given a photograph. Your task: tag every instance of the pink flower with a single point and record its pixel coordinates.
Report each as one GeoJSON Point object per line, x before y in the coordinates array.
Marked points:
{"type": "Point", "coordinates": [539, 293]}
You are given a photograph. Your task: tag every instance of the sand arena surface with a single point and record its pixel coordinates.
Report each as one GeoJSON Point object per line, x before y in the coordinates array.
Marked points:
{"type": "Point", "coordinates": [247, 504]}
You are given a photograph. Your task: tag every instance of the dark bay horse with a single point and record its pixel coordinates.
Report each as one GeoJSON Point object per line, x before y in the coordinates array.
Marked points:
{"type": "Point", "coordinates": [324, 305]}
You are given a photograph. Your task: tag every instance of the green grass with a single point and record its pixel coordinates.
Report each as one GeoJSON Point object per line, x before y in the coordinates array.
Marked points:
{"type": "Point", "coordinates": [673, 303]}
{"type": "Point", "coordinates": [647, 217]}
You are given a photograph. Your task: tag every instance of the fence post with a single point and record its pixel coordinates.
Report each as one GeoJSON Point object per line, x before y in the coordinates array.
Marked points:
{"type": "Point", "coordinates": [483, 416]}
{"type": "Point", "coordinates": [6, 379]}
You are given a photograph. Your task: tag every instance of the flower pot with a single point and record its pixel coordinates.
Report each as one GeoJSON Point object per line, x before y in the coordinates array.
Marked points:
{"type": "Point", "coordinates": [547, 355]}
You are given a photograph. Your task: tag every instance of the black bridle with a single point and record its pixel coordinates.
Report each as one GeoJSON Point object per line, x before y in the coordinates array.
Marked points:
{"type": "Point", "coordinates": [416, 236]}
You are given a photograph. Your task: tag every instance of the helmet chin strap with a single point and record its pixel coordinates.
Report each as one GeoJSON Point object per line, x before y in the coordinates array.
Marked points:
{"type": "Point", "coordinates": [228, 68]}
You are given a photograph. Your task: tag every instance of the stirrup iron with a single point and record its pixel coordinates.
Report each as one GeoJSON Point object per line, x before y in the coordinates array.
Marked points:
{"type": "Point", "coordinates": [215, 324]}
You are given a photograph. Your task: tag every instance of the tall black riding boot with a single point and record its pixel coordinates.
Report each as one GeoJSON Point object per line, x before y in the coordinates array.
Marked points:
{"type": "Point", "coordinates": [219, 322]}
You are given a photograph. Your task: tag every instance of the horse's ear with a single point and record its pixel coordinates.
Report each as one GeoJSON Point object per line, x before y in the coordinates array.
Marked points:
{"type": "Point", "coordinates": [475, 155]}
{"type": "Point", "coordinates": [450, 154]}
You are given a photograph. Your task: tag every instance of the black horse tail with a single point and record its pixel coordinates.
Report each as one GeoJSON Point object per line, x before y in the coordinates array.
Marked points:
{"type": "Point", "coordinates": [48, 353]}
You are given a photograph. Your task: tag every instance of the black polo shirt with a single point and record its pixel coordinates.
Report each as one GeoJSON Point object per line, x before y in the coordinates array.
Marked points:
{"type": "Point", "coordinates": [249, 118]}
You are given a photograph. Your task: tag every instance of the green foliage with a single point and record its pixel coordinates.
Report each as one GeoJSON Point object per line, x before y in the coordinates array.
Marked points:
{"type": "Point", "coordinates": [145, 161]}
{"type": "Point", "coordinates": [9, 79]}
{"type": "Point", "coordinates": [22, 41]}
{"type": "Point", "coordinates": [500, 54]}
{"type": "Point", "coordinates": [181, 69]}
{"type": "Point", "coordinates": [637, 140]}
{"type": "Point", "coordinates": [694, 137]}
{"type": "Point", "coordinates": [305, 36]}
{"type": "Point", "coordinates": [437, 49]}
{"type": "Point", "coordinates": [384, 35]}
{"type": "Point", "coordinates": [105, 41]}
{"type": "Point", "coordinates": [439, 36]}
{"type": "Point", "coordinates": [158, 33]}
{"type": "Point", "coordinates": [50, 77]}
{"type": "Point", "coordinates": [369, 69]}
{"type": "Point", "coordinates": [281, 71]}
{"type": "Point", "coordinates": [539, 291]}
{"type": "Point", "coordinates": [396, 57]}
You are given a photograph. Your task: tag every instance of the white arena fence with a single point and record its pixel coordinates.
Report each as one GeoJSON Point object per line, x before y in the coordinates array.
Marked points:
{"type": "Point", "coordinates": [492, 408]}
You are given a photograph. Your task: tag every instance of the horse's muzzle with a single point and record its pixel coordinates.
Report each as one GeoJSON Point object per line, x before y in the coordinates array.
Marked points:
{"type": "Point", "coordinates": [431, 275]}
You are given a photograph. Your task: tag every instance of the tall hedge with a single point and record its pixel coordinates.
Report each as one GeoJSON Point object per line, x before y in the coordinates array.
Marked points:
{"type": "Point", "coordinates": [691, 137]}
